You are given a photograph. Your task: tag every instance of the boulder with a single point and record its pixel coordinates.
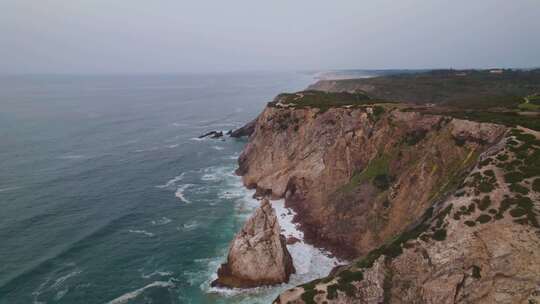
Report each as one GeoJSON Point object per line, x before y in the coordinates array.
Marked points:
{"type": "Point", "coordinates": [258, 254]}
{"type": "Point", "coordinates": [246, 130]}
{"type": "Point", "coordinates": [212, 134]}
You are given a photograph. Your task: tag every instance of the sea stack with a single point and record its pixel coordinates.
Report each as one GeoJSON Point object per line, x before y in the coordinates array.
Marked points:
{"type": "Point", "coordinates": [258, 254]}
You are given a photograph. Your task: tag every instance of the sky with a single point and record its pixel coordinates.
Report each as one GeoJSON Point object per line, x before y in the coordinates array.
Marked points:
{"type": "Point", "coordinates": [180, 36]}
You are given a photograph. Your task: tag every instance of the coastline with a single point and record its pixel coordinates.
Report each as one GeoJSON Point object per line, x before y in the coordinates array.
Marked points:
{"type": "Point", "coordinates": [311, 262]}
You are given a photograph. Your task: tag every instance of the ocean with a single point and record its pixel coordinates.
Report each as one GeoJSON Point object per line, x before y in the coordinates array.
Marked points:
{"type": "Point", "coordinates": [108, 196]}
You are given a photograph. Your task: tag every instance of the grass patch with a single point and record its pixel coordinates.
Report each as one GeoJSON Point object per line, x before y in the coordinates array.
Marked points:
{"type": "Point", "coordinates": [377, 167]}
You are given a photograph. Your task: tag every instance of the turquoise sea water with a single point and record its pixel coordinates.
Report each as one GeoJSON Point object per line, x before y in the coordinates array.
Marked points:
{"type": "Point", "coordinates": [105, 195]}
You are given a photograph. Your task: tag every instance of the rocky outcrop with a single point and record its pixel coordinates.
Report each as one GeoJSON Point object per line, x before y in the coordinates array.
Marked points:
{"type": "Point", "coordinates": [258, 254]}
{"type": "Point", "coordinates": [479, 245]}
{"type": "Point", "coordinates": [358, 175]}
{"type": "Point", "coordinates": [246, 130]}
{"type": "Point", "coordinates": [212, 134]}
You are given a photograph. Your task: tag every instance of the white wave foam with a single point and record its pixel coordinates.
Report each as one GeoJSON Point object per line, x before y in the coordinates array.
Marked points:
{"type": "Point", "coordinates": [60, 281]}
{"type": "Point", "coordinates": [180, 193]}
{"type": "Point", "coordinates": [71, 156]}
{"type": "Point", "coordinates": [9, 189]}
{"type": "Point", "coordinates": [172, 181]}
{"type": "Point", "coordinates": [134, 294]}
{"type": "Point", "coordinates": [60, 294]}
{"type": "Point", "coordinates": [161, 221]}
{"type": "Point", "coordinates": [217, 148]}
{"type": "Point", "coordinates": [178, 124]}
{"type": "Point", "coordinates": [157, 273]}
{"type": "Point", "coordinates": [310, 262]}
{"type": "Point", "coordinates": [218, 173]}
{"type": "Point", "coordinates": [173, 146]}
{"type": "Point", "coordinates": [149, 234]}
{"type": "Point", "coordinates": [190, 225]}
{"type": "Point", "coordinates": [146, 150]}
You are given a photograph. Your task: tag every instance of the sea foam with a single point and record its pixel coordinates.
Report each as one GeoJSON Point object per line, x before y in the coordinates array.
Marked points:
{"type": "Point", "coordinates": [310, 262]}
{"type": "Point", "coordinates": [180, 193]}
{"type": "Point", "coordinates": [134, 294]}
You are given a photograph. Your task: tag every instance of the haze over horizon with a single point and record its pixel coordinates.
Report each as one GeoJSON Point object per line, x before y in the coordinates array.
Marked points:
{"type": "Point", "coordinates": [99, 36]}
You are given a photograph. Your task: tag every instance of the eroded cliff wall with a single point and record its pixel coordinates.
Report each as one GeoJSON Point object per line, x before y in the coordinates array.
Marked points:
{"type": "Point", "coordinates": [480, 245]}
{"type": "Point", "coordinates": [359, 176]}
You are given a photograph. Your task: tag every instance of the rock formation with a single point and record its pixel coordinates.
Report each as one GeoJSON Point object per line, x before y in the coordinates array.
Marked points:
{"type": "Point", "coordinates": [246, 130]}
{"type": "Point", "coordinates": [371, 170]}
{"type": "Point", "coordinates": [480, 245]}
{"type": "Point", "coordinates": [212, 134]}
{"type": "Point", "coordinates": [434, 209]}
{"type": "Point", "coordinates": [258, 254]}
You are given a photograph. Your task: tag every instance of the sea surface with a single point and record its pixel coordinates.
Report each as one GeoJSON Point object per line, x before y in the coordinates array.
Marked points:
{"type": "Point", "coordinates": [107, 195]}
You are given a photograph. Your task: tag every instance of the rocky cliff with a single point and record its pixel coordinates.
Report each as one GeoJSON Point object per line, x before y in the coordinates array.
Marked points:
{"type": "Point", "coordinates": [258, 254]}
{"type": "Point", "coordinates": [358, 176]}
{"type": "Point", "coordinates": [435, 209]}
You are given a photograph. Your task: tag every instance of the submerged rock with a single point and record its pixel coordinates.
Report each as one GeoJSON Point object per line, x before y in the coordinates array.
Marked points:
{"type": "Point", "coordinates": [258, 254]}
{"type": "Point", "coordinates": [212, 134]}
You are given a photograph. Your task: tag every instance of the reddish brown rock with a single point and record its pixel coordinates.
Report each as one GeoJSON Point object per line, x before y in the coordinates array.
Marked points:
{"type": "Point", "coordinates": [344, 170]}
{"type": "Point", "coordinates": [258, 254]}
{"type": "Point", "coordinates": [470, 250]}
{"type": "Point", "coordinates": [292, 240]}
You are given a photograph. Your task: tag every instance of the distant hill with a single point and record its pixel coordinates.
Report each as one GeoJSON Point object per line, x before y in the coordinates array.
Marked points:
{"type": "Point", "coordinates": [462, 88]}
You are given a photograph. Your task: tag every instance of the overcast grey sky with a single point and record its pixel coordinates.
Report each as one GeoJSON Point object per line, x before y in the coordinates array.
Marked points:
{"type": "Point", "coordinates": [172, 36]}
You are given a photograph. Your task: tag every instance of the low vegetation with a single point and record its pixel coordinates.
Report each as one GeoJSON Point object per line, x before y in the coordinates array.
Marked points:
{"type": "Point", "coordinates": [464, 89]}
{"type": "Point", "coordinates": [326, 100]}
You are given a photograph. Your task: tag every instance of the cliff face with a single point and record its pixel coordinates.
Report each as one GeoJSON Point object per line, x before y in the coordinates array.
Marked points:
{"type": "Point", "coordinates": [359, 176]}
{"type": "Point", "coordinates": [434, 209]}
{"type": "Point", "coordinates": [258, 254]}
{"type": "Point", "coordinates": [480, 245]}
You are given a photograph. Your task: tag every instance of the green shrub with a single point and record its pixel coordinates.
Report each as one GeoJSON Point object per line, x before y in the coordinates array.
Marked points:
{"type": "Point", "coordinates": [536, 185]}
{"type": "Point", "coordinates": [517, 212]}
{"type": "Point", "coordinates": [476, 272]}
{"type": "Point", "coordinates": [502, 157]}
{"type": "Point", "coordinates": [517, 188]}
{"type": "Point", "coordinates": [309, 296]}
{"type": "Point", "coordinates": [332, 292]}
{"type": "Point", "coordinates": [513, 177]}
{"type": "Point", "coordinates": [348, 276]}
{"type": "Point", "coordinates": [414, 137]}
{"type": "Point", "coordinates": [484, 218]}
{"type": "Point", "coordinates": [484, 163]}
{"type": "Point", "coordinates": [470, 223]}
{"type": "Point", "coordinates": [382, 181]}
{"type": "Point", "coordinates": [439, 235]}
{"type": "Point", "coordinates": [377, 166]}
{"type": "Point", "coordinates": [489, 172]}
{"type": "Point", "coordinates": [484, 203]}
